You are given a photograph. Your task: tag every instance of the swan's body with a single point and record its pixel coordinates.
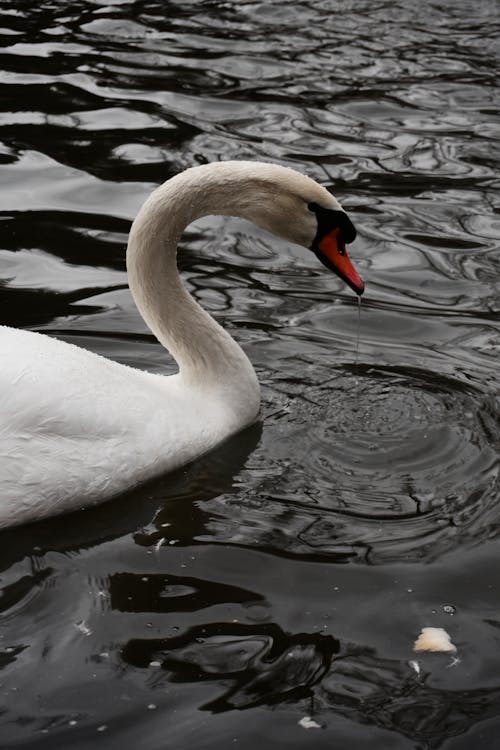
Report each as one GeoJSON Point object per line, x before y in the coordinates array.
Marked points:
{"type": "Point", "coordinates": [76, 428]}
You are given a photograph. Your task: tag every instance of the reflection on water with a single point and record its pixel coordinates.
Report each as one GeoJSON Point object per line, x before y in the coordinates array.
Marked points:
{"type": "Point", "coordinates": [288, 573]}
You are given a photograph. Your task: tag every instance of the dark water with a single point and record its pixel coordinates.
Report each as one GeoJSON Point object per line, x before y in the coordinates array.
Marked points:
{"type": "Point", "coordinates": [288, 573]}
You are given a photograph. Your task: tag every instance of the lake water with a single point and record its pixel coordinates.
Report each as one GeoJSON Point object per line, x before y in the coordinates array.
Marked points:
{"type": "Point", "coordinates": [287, 574]}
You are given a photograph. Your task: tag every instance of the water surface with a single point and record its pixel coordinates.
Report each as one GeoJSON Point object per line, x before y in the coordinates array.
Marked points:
{"type": "Point", "coordinates": [288, 573]}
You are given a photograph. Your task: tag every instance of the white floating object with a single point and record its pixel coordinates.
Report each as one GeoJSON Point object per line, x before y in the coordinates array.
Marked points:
{"type": "Point", "coordinates": [159, 544]}
{"type": "Point", "coordinates": [415, 666]}
{"type": "Point", "coordinates": [434, 639]}
{"type": "Point", "coordinates": [307, 723]}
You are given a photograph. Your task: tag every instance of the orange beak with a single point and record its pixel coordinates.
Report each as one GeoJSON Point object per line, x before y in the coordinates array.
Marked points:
{"type": "Point", "coordinates": [332, 253]}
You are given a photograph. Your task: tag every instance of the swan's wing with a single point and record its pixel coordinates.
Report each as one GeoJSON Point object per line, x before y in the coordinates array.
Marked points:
{"type": "Point", "coordinates": [74, 427]}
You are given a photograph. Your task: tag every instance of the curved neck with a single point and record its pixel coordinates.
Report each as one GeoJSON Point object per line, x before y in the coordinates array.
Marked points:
{"type": "Point", "coordinates": [204, 352]}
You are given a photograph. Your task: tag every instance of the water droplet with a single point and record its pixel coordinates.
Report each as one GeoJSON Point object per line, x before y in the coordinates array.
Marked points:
{"type": "Point", "coordinates": [449, 609]}
{"type": "Point", "coordinates": [258, 613]}
{"type": "Point", "coordinates": [155, 664]}
{"type": "Point", "coordinates": [82, 627]}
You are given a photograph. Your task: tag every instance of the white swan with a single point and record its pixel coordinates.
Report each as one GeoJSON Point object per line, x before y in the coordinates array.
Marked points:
{"type": "Point", "coordinates": [76, 428]}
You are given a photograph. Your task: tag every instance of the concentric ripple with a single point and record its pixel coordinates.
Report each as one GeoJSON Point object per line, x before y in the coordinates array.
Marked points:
{"type": "Point", "coordinates": [381, 464]}
{"type": "Point", "coordinates": [412, 430]}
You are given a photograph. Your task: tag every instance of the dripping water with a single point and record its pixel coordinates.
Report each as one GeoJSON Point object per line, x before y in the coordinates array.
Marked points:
{"type": "Point", "coordinates": [356, 357]}
{"type": "Point", "coordinates": [357, 382]}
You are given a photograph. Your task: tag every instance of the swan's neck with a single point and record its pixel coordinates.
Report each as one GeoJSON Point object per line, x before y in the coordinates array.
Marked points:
{"type": "Point", "coordinates": [205, 353]}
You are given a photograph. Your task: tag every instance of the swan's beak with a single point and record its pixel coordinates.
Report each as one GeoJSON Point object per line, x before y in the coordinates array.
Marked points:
{"type": "Point", "coordinates": [331, 251]}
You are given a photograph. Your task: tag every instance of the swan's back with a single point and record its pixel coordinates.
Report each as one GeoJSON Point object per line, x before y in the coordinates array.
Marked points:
{"type": "Point", "coordinates": [30, 362]}
{"type": "Point", "coordinates": [77, 428]}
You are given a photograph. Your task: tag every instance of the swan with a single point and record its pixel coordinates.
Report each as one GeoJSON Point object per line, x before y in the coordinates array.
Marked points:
{"type": "Point", "coordinates": [76, 428]}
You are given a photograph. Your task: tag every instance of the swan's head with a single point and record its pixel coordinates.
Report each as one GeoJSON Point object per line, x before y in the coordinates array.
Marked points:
{"type": "Point", "coordinates": [334, 231]}
{"type": "Point", "coordinates": [296, 208]}
{"type": "Point", "coordinates": [281, 200]}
